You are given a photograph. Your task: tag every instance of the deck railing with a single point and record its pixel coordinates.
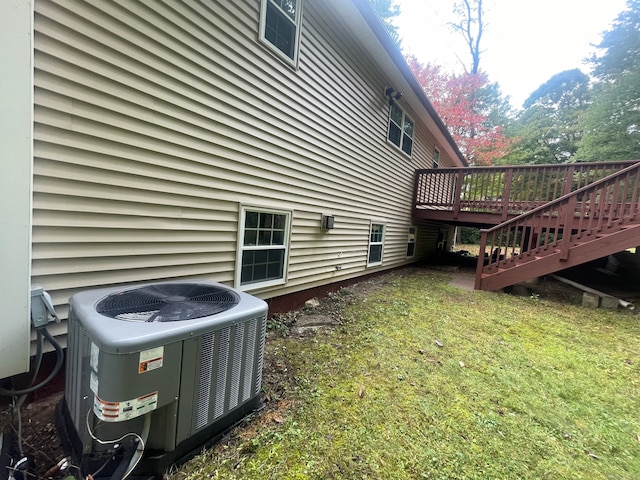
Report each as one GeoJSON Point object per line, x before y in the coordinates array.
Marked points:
{"type": "Point", "coordinates": [504, 190]}
{"type": "Point", "coordinates": [596, 207]}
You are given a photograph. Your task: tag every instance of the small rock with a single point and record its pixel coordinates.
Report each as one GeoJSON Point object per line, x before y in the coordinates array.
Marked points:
{"type": "Point", "coordinates": [312, 303]}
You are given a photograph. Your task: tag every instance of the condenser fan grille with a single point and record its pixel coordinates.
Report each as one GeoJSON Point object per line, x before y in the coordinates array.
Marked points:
{"type": "Point", "coordinates": [167, 302]}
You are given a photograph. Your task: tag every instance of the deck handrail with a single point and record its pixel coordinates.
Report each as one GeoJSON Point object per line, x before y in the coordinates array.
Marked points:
{"type": "Point", "coordinates": [556, 224]}
{"type": "Point", "coordinates": [509, 190]}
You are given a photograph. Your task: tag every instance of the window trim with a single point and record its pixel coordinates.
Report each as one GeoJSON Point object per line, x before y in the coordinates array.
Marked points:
{"type": "Point", "coordinates": [241, 247]}
{"type": "Point", "coordinates": [381, 243]}
{"type": "Point", "coordinates": [293, 62]}
{"type": "Point", "coordinates": [436, 158]}
{"type": "Point", "coordinates": [411, 240]}
{"type": "Point", "coordinates": [405, 117]}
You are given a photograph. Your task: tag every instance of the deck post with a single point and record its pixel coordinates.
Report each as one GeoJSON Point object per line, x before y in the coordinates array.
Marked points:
{"type": "Point", "coordinates": [508, 176]}
{"type": "Point", "coordinates": [480, 264]}
{"type": "Point", "coordinates": [567, 217]}
{"type": "Point", "coordinates": [457, 199]}
{"type": "Point", "coordinates": [568, 180]}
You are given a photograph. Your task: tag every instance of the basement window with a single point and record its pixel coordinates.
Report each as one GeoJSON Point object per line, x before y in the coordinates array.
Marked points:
{"type": "Point", "coordinates": [376, 244]}
{"type": "Point", "coordinates": [264, 247]}
{"type": "Point", "coordinates": [411, 242]}
{"type": "Point", "coordinates": [280, 27]}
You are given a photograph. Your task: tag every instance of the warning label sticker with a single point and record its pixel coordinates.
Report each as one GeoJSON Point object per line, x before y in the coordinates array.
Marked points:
{"type": "Point", "coordinates": [151, 359]}
{"type": "Point", "coordinates": [120, 411]}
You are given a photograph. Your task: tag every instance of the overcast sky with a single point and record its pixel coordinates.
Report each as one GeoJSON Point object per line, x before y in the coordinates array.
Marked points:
{"type": "Point", "coordinates": [525, 44]}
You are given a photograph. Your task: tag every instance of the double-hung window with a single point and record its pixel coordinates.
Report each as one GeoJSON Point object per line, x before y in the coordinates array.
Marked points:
{"type": "Point", "coordinates": [263, 247]}
{"type": "Point", "coordinates": [280, 27]}
{"type": "Point", "coordinates": [376, 244]}
{"type": "Point", "coordinates": [436, 158]}
{"type": "Point", "coordinates": [401, 129]}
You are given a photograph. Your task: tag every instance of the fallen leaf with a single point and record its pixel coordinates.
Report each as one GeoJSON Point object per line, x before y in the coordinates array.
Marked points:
{"type": "Point", "coordinates": [278, 419]}
{"type": "Point", "coordinates": [361, 392]}
{"type": "Point", "coordinates": [438, 342]}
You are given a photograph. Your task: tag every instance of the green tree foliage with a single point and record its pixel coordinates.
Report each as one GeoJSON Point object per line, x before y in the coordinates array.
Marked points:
{"type": "Point", "coordinates": [469, 235]}
{"type": "Point", "coordinates": [612, 122]}
{"type": "Point", "coordinates": [387, 10]}
{"type": "Point", "coordinates": [548, 130]}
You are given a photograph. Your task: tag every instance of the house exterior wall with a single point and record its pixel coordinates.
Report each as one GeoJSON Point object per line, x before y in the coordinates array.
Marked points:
{"type": "Point", "coordinates": [15, 183]}
{"type": "Point", "coordinates": [155, 122]}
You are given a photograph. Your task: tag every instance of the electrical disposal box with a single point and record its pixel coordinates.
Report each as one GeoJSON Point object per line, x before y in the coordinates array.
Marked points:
{"type": "Point", "coordinates": [181, 360]}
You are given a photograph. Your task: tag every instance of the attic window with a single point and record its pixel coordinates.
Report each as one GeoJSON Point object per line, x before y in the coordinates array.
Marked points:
{"type": "Point", "coordinates": [280, 27]}
{"type": "Point", "coordinates": [400, 129]}
{"type": "Point", "coordinates": [436, 158]}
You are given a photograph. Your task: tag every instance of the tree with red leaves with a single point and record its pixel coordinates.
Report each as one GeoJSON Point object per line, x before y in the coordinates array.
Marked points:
{"type": "Point", "coordinates": [472, 109]}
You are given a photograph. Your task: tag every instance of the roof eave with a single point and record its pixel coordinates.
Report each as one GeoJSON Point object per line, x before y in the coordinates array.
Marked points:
{"type": "Point", "coordinates": [380, 31]}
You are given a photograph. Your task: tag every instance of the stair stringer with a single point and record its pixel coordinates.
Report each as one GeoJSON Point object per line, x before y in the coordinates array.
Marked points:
{"type": "Point", "coordinates": [584, 249]}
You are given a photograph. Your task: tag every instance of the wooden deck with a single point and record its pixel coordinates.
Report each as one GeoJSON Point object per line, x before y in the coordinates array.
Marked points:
{"type": "Point", "coordinates": [537, 219]}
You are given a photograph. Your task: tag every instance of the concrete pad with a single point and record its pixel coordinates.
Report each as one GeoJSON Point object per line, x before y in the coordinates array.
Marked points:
{"type": "Point", "coordinates": [464, 282]}
{"type": "Point", "coordinates": [310, 323]}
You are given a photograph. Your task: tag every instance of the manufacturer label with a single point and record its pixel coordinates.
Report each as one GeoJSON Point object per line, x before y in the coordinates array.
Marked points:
{"type": "Point", "coordinates": [150, 359]}
{"type": "Point", "coordinates": [120, 411]}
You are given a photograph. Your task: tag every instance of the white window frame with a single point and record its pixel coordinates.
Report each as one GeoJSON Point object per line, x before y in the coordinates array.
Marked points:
{"type": "Point", "coordinates": [402, 127]}
{"type": "Point", "coordinates": [244, 248]}
{"type": "Point", "coordinates": [411, 240]}
{"type": "Point", "coordinates": [436, 158]}
{"type": "Point", "coordinates": [296, 22]}
{"type": "Point", "coordinates": [375, 243]}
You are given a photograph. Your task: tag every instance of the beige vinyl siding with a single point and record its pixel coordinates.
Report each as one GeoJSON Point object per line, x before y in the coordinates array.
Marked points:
{"type": "Point", "coordinates": [155, 120]}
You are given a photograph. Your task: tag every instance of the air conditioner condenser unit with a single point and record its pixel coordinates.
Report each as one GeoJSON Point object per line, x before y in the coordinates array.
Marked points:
{"type": "Point", "coordinates": [171, 365]}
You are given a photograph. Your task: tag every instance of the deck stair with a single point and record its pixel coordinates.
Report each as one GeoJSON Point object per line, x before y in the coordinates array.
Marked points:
{"type": "Point", "coordinates": [594, 221]}
{"type": "Point", "coordinates": [537, 219]}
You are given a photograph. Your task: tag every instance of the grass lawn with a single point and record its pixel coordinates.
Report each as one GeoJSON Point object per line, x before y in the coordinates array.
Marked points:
{"type": "Point", "coordinates": [423, 380]}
